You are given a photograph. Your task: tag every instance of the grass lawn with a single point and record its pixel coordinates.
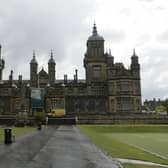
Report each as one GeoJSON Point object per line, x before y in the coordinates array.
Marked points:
{"type": "Point", "coordinates": [140, 142]}
{"type": "Point", "coordinates": [17, 131]}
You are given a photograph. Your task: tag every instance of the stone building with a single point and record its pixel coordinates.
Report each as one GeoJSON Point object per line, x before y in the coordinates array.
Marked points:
{"type": "Point", "coordinates": [108, 88]}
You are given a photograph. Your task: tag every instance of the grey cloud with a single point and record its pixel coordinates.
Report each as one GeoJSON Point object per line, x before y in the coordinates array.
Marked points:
{"type": "Point", "coordinates": [155, 93]}
{"type": "Point", "coordinates": [115, 36]}
{"type": "Point", "coordinates": [126, 12]}
{"type": "Point", "coordinates": [40, 25]}
{"type": "Point", "coordinates": [154, 73]}
{"type": "Point", "coordinates": [147, 0]}
{"type": "Point", "coordinates": [160, 8]}
{"type": "Point", "coordinates": [163, 37]}
{"type": "Point", "coordinates": [142, 40]}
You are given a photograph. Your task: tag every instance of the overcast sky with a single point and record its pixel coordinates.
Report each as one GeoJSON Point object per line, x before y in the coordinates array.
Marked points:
{"type": "Point", "coordinates": [64, 27]}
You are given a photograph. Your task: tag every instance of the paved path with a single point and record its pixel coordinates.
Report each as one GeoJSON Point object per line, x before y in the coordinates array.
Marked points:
{"type": "Point", "coordinates": [64, 147]}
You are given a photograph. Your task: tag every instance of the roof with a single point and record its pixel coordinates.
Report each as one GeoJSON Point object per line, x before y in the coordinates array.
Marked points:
{"type": "Point", "coordinates": [33, 60]}
{"type": "Point", "coordinates": [43, 73]}
{"type": "Point", "coordinates": [51, 60]}
{"type": "Point", "coordinates": [95, 36]}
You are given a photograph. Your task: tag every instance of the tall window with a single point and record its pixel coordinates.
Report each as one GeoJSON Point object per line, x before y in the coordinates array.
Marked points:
{"type": "Point", "coordinates": [96, 71]}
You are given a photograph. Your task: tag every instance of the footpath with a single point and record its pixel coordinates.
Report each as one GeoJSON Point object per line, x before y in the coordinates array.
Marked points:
{"type": "Point", "coordinates": [63, 147]}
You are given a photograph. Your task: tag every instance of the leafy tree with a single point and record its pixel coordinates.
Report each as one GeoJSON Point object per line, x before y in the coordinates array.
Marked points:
{"type": "Point", "coordinates": [39, 116]}
{"type": "Point", "coordinates": [160, 109]}
{"type": "Point", "coordinates": [165, 104]}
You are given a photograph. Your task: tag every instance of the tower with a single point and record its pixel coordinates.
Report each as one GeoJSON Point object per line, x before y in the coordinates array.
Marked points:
{"type": "Point", "coordinates": [2, 64]}
{"type": "Point", "coordinates": [95, 59]}
{"type": "Point", "coordinates": [135, 69]}
{"type": "Point", "coordinates": [51, 69]}
{"type": "Point", "coordinates": [135, 66]}
{"type": "Point", "coordinates": [33, 72]}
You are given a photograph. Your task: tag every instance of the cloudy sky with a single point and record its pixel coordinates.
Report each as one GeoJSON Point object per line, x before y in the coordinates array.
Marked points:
{"type": "Point", "coordinates": [64, 27]}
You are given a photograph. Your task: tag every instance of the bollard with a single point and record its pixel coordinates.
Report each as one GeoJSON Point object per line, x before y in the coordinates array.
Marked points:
{"type": "Point", "coordinates": [13, 138]}
{"type": "Point", "coordinates": [7, 136]}
{"type": "Point", "coordinates": [39, 126]}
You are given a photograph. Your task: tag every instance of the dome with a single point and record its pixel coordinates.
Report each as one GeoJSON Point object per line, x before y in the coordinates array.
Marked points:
{"type": "Point", "coordinates": [51, 60]}
{"type": "Point", "coordinates": [95, 36]}
{"type": "Point", "coordinates": [34, 59]}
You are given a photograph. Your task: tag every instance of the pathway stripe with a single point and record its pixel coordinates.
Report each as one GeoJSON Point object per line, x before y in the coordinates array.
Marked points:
{"type": "Point", "coordinates": [140, 162]}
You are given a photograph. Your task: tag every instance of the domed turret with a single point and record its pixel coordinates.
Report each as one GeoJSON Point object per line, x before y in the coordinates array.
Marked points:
{"type": "Point", "coordinates": [34, 59]}
{"type": "Point", "coordinates": [95, 36]}
{"type": "Point", "coordinates": [51, 60]}
{"type": "Point", "coordinates": [95, 59]}
{"type": "Point", "coordinates": [95, 44]}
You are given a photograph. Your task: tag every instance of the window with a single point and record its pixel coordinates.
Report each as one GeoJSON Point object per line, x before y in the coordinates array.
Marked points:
{"type": "Point", "coordinates": [125, 104]}
{"type": "Point", "coordinates": [125, 86]}
{"type": "Point", "coordinates": [96, 71]}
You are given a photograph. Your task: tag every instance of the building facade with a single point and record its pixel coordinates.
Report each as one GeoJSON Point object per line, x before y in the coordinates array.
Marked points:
{"type": "Point", "coordinates": [108, 88]}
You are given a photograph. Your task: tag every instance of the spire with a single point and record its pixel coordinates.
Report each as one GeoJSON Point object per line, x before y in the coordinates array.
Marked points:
{"type": "Point", "coordinates": [134, 53]}
{"type": "Point", "coordinates": [34, 58]}
{"type": "Point", "coordinates": [95, 36]}
{"type": "Point", "coordinates": [51, 53]}
{"type": "Point", "coordinates": [51, 60]}
{"type": "Point", "coordinates": [94, 29]}
{"type": "Point", "coordinates": [0, 50]}
{"type": "Point", "coordinates": [34, 54]}
{"type": "Point", "coordinates": [134, 58]}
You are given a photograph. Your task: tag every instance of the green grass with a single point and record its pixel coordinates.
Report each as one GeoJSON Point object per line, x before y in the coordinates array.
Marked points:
{"type": "Point", "coordinates": [131, 141]}
{"type": "Point", "coordinates": [17, 131]}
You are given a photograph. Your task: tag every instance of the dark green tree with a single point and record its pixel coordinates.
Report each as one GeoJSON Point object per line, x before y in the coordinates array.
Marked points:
{"type": "Point", "coordinates": [165, 104]}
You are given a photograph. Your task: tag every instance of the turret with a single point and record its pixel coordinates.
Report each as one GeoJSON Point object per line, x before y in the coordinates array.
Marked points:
{"type": "Point", "coordinates": [51, 69]}
{"type": "Point", "coordinates": [20, 80]}
{"type": "Point", "coordinates": [110, 59]}
{"type": "Point", "coordinates": [135, 69]}
{"type": "Point", "coordinates": [2, 64]}
{"type": "Point", "coordinates": [33, 71]}
{"type": "Point", "coordinates": [95, 59]}
{"type": "Point", "coordinates": [95, 44]}
{"type": "Point", "coordinates": [135, 66]}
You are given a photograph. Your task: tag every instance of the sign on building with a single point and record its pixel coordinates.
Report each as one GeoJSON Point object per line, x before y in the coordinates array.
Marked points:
{"type": "Point", "coordinates": [37, 98]}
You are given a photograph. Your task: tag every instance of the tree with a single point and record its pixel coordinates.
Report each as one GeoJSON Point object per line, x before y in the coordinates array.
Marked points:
{"type": "Point", "coordinates": [165, 104]}
{"type": "Point", "coordinates": [160, 109]}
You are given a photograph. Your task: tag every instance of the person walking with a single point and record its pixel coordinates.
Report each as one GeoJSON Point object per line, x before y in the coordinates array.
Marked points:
{"type": "Point", "coordinates": [46, 121]}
